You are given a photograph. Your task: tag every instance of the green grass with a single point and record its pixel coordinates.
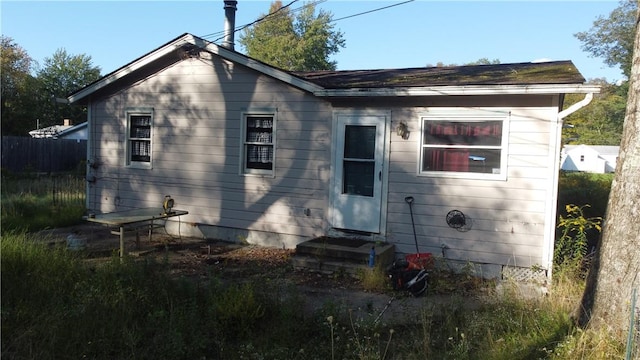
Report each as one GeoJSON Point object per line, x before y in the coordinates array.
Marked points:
{"type": "Point", "coordinates": [57, 305]}
{"type": "Point", "coordinates": [34, 203]}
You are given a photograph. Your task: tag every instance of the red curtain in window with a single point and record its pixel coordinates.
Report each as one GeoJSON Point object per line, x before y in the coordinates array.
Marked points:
{"type": "Point", "coordinates": [450, 160]}
{"type": "Point", "coordinates": [459, 133]}
{"type": "Point", "coordinates": [465, 129]}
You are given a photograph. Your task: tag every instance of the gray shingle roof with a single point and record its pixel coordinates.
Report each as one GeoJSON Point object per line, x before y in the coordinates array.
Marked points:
{"type": "Point", "coordinates": [556, 72]}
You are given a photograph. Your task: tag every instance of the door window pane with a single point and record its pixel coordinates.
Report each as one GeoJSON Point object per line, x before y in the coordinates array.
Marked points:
{"type": "Point", "coordinates": [359, 142]}
{"type": "Point", "coordinates": [358, 178]}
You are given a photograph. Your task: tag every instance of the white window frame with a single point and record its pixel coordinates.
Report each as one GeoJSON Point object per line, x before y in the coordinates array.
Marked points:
{"type": "Point", "coordinates": [129, 113]}
{"type": "Point", "coordinates": [466, 115]}
{"type": "Point", "coordinates": [244, 143]}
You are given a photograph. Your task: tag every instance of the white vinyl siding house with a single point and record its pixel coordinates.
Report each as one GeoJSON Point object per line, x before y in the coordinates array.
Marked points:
{"type": "Point", "coordinates": [260, 155]}
{"type": "Point", "coordinates": [198, 129]}
{"type": "Point", "coordinates": [590, 158]}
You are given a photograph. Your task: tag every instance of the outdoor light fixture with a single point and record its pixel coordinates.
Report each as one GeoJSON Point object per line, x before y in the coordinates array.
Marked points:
{"type": "Point", "coordinates": [402, 131]}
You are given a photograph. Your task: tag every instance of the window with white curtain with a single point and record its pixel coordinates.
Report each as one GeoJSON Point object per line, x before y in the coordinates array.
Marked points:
{"type": "Point", "coordinates": [258, 143]}
{"type": "Point", "coordinates": [139, 130]}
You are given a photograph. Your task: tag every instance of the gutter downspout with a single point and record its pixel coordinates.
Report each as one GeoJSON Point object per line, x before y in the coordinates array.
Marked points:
{"type": "Point", "coordinates": [556, 175]}
{"type": "Point", "coordinates": [575, 107]}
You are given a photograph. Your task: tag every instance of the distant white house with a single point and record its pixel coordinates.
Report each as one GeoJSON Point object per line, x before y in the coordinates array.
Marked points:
{"type": "Point", "coordinates": [65, 131]}
{"type": "Point", "coordinates": [589, 158]}
{"type": "Point", "coordinates": [76, 132]}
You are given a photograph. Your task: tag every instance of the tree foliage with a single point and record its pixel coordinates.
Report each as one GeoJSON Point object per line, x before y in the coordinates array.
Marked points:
{"type": "Point", "coordinates": [61, 75]}
{"type": "Point", "coordinates": [19, 89]}
{"type": "Point", "coordinates": [29, 101]}
{"type": "Point", "coordinates": [599, 123]}
{"type": "Point", "coordinates": [481, 61]}
{"type": "Point", "coordinates": [484, 61]}
{"type": "Point", "coordinates": [301, 42]}
{"type": "Point", "coordinates": [611, 38]}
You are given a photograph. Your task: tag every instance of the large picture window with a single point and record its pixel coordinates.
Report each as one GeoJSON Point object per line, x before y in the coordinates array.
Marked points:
{"type": "Point", "coordinates": [139, 127]}
{"type": "Point", "coordinates": [258, 147]}
{"type": "Point", "coordinates": [464, 145]}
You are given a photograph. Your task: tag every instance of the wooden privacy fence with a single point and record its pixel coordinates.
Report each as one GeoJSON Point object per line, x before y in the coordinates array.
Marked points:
{"type": "Point", "coordinates": [25, 154]}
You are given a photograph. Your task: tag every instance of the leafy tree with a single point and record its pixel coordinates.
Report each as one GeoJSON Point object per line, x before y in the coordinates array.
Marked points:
{"type": "Point", "coordinates": [301, 42]}
{"type": "Point", "coordinates": [614, 274]}
{"type": "Point", "coordinates": [484, 61]}
{"type": "Point", "coordinates": [61, 75]}
{"type": "Point", "coordinates": [19, 89]}
{"type": "Point", "coordinates": [600, 123]}
{"type": "Point", "coordinates": [481, 61]}
{"type": "Point", "coordinates": [611, 38]}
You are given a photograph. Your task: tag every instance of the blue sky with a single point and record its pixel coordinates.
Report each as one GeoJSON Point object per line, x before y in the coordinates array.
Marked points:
{"type": "Point", "coordinates": [414, 34]}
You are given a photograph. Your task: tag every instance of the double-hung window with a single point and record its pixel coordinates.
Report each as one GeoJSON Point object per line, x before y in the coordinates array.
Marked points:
{"type": "Point", "coordinates": [258, 143]}
{"type": "Point", "coordinates": [465, 143]}
{"type": "Point", "coordinates": [139, 130]}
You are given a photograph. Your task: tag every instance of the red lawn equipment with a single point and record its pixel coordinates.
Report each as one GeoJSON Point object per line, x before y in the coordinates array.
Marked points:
{"type": "Point", "coordinates": [410, 273]}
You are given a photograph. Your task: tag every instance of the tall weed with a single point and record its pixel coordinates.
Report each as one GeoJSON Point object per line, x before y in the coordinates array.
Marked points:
{"type": "Point", "coordinates": [54, 305]}
{"type": "Point", "coordinates": [33, 203]}
{"type": "Point", "coordinates": [572, 245]}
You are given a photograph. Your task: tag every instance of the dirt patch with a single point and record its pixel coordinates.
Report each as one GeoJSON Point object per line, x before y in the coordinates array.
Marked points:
{"type": "Point", "coordinates": [201, 259]}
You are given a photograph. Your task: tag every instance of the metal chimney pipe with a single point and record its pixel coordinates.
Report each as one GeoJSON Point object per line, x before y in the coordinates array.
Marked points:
{"type": "Point", "coordinates": [229, 23]}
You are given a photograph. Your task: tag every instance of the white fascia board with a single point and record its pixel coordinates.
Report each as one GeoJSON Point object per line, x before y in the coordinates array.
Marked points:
{"type": "Point", "coordinates": [256, 65]}
{"type": "Point", "coordinates": [462, 90]}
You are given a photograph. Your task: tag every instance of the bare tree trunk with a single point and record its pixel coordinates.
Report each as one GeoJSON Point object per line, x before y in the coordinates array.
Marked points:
{"type": "Point", "coordinates": [606, 303]}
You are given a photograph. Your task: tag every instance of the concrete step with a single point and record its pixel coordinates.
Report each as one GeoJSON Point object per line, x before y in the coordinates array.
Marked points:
{"type": "Point", "coordinates": [327, 254]}
{"type": "Point", "coordinates": [326, 266]}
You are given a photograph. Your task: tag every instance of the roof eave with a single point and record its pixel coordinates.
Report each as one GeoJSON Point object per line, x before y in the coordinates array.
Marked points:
{"type": "Point", "coordinates": [126, 70]}
{"type": "Point", "coordinates": [190, 39]}
{"type": "Point", "coordinates": [256, 65]}
{"type": "Point", "coordinates": [73, 129]}
{"type": "Point", "coordinates": [536, 89]}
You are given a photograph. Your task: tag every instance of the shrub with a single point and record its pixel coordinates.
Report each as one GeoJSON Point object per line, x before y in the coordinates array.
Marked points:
{"type": "Point", "coordinates": [591, 192]}
{"type": "Point", "coordinates": [584, 188]}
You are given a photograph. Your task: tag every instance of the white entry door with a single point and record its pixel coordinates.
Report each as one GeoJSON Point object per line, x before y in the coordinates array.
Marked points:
{"type": "Point", "coordinates": [358, 175]}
